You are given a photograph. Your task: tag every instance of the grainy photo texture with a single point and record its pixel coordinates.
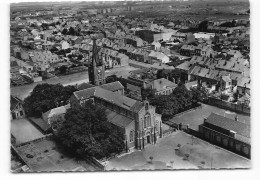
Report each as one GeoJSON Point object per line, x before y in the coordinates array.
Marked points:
{"type": "Point", "coordinates": [130, 85]}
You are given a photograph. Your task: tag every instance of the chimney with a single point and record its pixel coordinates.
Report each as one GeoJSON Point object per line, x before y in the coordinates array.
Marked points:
{"type": "Point", "coordinates": [232, 133]}
{"type": "Point", "coordinates": [204, 120]}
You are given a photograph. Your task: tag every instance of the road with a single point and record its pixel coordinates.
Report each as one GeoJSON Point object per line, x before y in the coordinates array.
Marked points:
{"type": "Point", "coordinates": [72, 79]}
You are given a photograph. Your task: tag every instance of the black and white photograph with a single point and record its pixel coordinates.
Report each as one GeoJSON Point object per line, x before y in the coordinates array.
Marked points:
{"type": "Point", "coordinates": [100, 86]}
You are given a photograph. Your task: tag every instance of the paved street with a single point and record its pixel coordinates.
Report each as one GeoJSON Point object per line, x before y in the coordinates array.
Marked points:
{"type": "Point", "coordinates": [72, 79]}
{"type": "Point", "coordinates": [165, 156]}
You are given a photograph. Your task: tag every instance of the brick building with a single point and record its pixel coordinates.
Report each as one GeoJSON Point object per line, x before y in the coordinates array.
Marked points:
{"type": "Point", "coordinates": [227, 133]}
{"type": "Point", "coordinates": [137, 120]}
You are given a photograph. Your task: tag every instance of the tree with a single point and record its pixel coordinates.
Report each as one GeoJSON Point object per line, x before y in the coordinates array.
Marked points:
{"type": "Point", "coordinates": [184, 97]}
{"type": "Point", "coordinates": [45, 97]}
{"type": "Point", "coordinates": [147, 93]}
{"type": "Point", "coordinates": [44, 26]}
{"type": "Point", "coordinates": [71, 31]}
{"type": "Point", "coordinates": [199, 94]}
{"type": "Point", "coordinates": [64, 31]}
{"type": "Point", "coordinates": [203, 26]}
{"type": "Point", "coordinates": [86, 131]}
{"type": "Point", "coordinates": [63, 69]}
{"type": "Point", "coordinates": [171, 75]}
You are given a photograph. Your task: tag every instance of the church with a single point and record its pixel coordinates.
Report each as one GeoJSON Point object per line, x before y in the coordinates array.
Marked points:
{"type": "Point", "coordinates": [138, 120]}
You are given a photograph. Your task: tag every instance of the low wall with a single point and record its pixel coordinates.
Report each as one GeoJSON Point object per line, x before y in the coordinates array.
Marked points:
{"type": "Point", "coordinates": [228, 105]}
{"type": "Point", "coordinates": [48, 136]}
{"type": "Point", "coordinates": [14, 150]}
{"type": "Point", "coordinates": [94, 162]}
{"type": "Point", "coordinates": [189, 110]}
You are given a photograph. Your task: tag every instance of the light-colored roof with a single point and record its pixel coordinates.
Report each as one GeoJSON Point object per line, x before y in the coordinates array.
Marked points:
{"type": "Point", "coordinates": [161, 84]}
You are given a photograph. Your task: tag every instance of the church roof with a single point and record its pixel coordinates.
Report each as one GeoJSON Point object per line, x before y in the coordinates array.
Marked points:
{"type": "Point", "coordinates": [109, 96]}
{"type": "Point", "coordinates": [118, 119]}
{"type": "Point", "coordinates": [113, 86]}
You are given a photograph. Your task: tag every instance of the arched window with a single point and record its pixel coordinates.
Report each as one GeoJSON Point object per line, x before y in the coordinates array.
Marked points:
{"type": "Point", "coordinates": [131, 138]}
{"type": "Point", "coordinates": [157, 126]}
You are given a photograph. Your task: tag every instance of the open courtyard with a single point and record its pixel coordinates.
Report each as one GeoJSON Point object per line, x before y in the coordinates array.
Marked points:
{"type": "Point", "coordinates": [178, 151]}
{"type": "Point", "coordinates": [24, 131]}
{"type": "Point", "coordinates": [196, 117]}
{"type": "Point", "coordinates": [47, 156]}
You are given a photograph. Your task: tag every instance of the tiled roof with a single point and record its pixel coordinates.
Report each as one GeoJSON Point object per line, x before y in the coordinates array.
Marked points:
{"type": "Point", "coordinates": [110, 96]}
{"type": "Point", "coordinates": [113, 86]}
{"type": "Point", "coordinates": [160, 84]}
{"type": "Point", "coordinates": [118, 119]}
{"type": "Point", "coordinates": [184, 66]}
{"type": "Point", "coordinates": [229, 124]}
{"type": "Point", "coordinates": [84, 86]}
{"type": "Point", "coordinates": [14, 101]}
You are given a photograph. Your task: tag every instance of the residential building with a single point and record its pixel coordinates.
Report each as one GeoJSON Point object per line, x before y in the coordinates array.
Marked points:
{"type": "Point", "coordinates": [17, 110]}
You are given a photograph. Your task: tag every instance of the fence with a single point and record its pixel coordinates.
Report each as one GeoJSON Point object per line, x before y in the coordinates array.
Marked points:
{"type": "Point", "coordinates": [168, 131]}
{"type": "Point", "coordinates": [240, 108]}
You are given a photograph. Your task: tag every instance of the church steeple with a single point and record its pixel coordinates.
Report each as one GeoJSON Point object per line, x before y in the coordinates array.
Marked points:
{"type": "Point", "coordinates": [96, 69]}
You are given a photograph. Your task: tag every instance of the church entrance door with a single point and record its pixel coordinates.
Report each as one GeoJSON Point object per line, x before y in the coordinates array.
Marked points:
{"type": "Point", "coordinates": [148, 138]}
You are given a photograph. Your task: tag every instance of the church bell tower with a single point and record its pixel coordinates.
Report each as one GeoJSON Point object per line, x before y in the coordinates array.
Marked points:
{"type": "Point", "coordinates": [96, 69]}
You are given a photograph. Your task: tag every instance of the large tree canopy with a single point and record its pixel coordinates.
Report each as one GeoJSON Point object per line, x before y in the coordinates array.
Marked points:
{"type": "Point", "coordinates": [45, 97]}
{"type": "Point", "coordinates": [180, 100]}
{"type": "Point", "coordinates": [172, 75]}
{"type": "Point", "coordinates": [87, 132]}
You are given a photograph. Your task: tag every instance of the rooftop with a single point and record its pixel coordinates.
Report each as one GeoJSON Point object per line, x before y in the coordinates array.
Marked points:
{"type": "Point", "coordinates": [115, 98]}
{"type": "Point", "coordinates": [229, 124]}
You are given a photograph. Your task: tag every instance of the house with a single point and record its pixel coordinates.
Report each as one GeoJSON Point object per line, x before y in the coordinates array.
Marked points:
{"type": "Point", "coordinates": [188, 50]}
{"type": "Point", "coordinates": [227, 133]}
{"type": "Point", "coordinates": [204, 35]}
{"type": "Point", "coordinates": [226, 83]}
{"type": "Point", "coordinates": [244, 85]}
{"type": "Point", "coordinates": [56, 115]}
{"type": "Point", "coordinates": [156, 45]}
{"type": "Point", "coordinates": [17, 110]}
{"type": "Point", "coordinates": [163, 86]}
{"type": "Point", "coordinates": [137, 120]}
{"type": "Point", "coordinates": [160, 57]}
{"type": "Point", "coordinates": [65, 45]}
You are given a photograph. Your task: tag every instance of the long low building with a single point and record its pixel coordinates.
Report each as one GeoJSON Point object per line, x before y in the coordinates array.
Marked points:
{"type": "Point", "coordinates": [227, 133]}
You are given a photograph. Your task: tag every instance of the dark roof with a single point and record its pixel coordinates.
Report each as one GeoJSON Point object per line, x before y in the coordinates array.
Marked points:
{"type": "Point", "coordinates": [118, 119]}
{"type": "Point", "coordinates": [14, 101]}
{"type": "Point", "coordinates": [110, 96]}
{"type": "Point", "coordinates": [43, 125]}
{"type": "Point", "coordinates": [13, 64]}
{"type": "Point", "coordinates": [113, 86]}
{"type": "Point", "coordinates": [229, 124]}
{"type": "Point", "coordinates": [84, 86]}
